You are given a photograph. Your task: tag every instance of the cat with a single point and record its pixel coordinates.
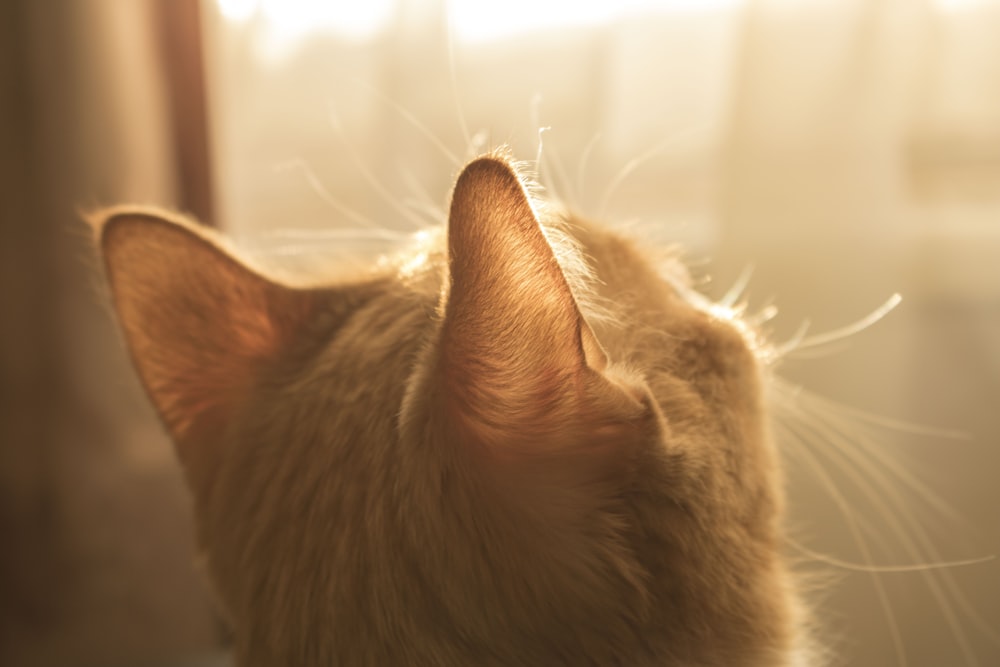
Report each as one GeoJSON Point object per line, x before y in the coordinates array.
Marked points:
{"type": "Point", "coordinates": [525, 442]}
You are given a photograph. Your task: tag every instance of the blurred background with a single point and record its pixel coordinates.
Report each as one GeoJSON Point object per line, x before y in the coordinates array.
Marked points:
{"type": "Point", "coordinates": [845, 149]}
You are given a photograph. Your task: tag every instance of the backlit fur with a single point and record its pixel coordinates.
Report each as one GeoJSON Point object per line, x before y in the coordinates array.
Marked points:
{"type": "Point", "coordinates": [478, 454]}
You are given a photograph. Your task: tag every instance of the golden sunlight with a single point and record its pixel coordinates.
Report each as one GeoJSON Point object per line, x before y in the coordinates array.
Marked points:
{"type": "Point", "coordinates": [955, 6]}
{"type": "Point", "coordinates": [290, 19]}
{"type": "Point", "coordinates": [475, 21]}
{"type": "Point", "coordinates": [472, 20]}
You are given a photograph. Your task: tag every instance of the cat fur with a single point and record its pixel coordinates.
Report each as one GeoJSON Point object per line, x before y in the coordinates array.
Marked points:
{"type": "Point", "coordinates": [520, 444]}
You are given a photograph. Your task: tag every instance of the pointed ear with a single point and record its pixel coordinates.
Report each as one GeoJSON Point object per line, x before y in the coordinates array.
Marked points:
{"type": "Point", "coordinates": [197, 322]}
{"type": "Point", "coordinates": [515, 352]}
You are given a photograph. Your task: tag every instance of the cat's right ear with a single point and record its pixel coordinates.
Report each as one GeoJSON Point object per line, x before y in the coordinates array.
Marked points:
{"type": "Point", "coordinates": [519, 371]}
{"type": "Point", "coordinates": [198, 323]}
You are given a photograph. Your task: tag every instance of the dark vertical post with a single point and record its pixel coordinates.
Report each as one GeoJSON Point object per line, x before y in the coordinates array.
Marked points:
{"type": "Point", "coordinates": [182, 48]}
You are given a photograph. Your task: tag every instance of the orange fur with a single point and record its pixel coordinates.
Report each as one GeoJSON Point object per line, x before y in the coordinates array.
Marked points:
{"type": "Point", "coordinates": [460, 465]}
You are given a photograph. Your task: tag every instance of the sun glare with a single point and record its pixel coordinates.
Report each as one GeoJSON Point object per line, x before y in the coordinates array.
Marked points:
{"type": "Point", "coordinates": [291, 19]}
{"type": "Point", "coordinates": [237, 10]}
{"type": "Point", "coordinates": [472, 20]}
{"type": "Point", "coordinates": [958, 6]}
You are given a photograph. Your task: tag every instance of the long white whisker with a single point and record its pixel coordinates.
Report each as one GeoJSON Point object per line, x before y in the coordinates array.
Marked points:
{"type": "Point", "coordinates": [559, 173]}
{"type": "Point", "coordinates": [412, 120]}
{"type": "Point", "coordinates": [852, 525]}
{"type": "Point", "coordinates": [828, 350]}
{"type": "Point", "coordinates": [886, 422]}
{"type": "Point", "coordinates": [874, 534]}
{"type": "Point", "coordinates": [641, 159]}
{"type": "Point", "coordinates": [546, 169]}
{"type": "Point", "coordinates": [453, 73]}
{"type": "Point", "coordinates": [295, 249]}
{"type": "Point", "coordinates": [917, 538]}
{"type": "Point", "coordinates": [886, 569]}
{"type": "Point", "coordinates": [762, 316]}
{"type": "Point", "coordinates": [895, 518]}
{"type": "Point", "coordinates": [813, 407]}
{"type": "Point", "coordinates": [796, 338]}
{"type": "Point", "coordinates": [336, 234]}
{"type": "Point", "coordinates": [851, 329]}
{"type": "Point", "coordinates": [581, 167]}
{"type": "Point", "coordinates": [423, 202]}
{"type": "Point", "coordinates": [734, 293]}
{"type": "Point", "coordinates": [324, 194]}
{"type": "Point", "coordinates": [539, 151]}
{"type": "Point", "coordinates": [370, 179]}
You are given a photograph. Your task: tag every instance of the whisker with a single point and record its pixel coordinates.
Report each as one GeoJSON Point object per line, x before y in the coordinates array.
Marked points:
{"type": "Point", "coordinates": [370, 179]}
{"type": "Point", "coordinates": [762, 316]}
{"type": "Point", "coordinates": [851, 329]}
{"type": "Point", "coordinates": [433, 213]}
{"type": "Point", "coordinates": [812, 405]}
{"type": "Point", "coordinates": [539, 158]}
{"type": "Point", "coordinates": [324, 194]}
{"type": "Point", "coordinates": [829, 350]}
{"type": "Point", "coordinates": [560, 174]}
{"type": "Point", "coordinates": [886, 422]}
{"type": "Point", "coordinates": [862, 544]}
{"type": "Point", "coordinates": [290, 250]}
{"type": "Point", "coordinates": [638, 161]}
{"type": "Point", "coordinates": [908, 531]}
{"type": "Point", "coordinates": [581, 167]}
{"type": "Point", "coordinates": [423, 201]}
{"type": "Point", "coordinates": [336, 234]}
{"type": "Point", "coordinates": [917, 531]}
{"type": "Point", "coordinates": [453, 74]}
{"type": "Point", "coordinates": [547, 170]}
{"type": "Point", "coordinates": [874, 534]}
{"type": "Point", "coordinates": [884, 569]}
{"type": "Point", "coordinates": [778, 352]}
{"type": "Point", "coordinates": [739, 286]}
{"type": "Point", "coordinates": [413, 121]}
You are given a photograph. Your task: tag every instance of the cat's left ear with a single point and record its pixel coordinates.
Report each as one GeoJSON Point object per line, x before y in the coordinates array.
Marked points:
{"type": "Point", "coordinates": [198, 321]}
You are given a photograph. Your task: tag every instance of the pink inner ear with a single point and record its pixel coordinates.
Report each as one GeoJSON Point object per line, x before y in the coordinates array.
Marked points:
{"type": "Point", "coordinates": [211, 359]}
{"type": "Point", "coordinates": [259, 338]}
{"type": "Point", "coordinates": [513, 358]}
{"type": "Point", "coordinates": [199, 323]}
{"type": "Point", "coordinates": [196, 397]}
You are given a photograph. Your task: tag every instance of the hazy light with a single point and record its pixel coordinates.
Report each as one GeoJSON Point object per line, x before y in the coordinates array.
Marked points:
{"type": "Point", "coordinates": [955, 6]}
{"type": "Point", "coordinates": [474, 20]}
{"type": "Point", "coordinates": [237, 10]}
{"type": "Point", "coordinates": [351, 18]}
{"type": "Point", "coordinates": [288, 20]}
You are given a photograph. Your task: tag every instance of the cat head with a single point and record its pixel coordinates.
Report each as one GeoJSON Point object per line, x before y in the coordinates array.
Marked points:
{"type": "Point", "coordinates": [481, 454]}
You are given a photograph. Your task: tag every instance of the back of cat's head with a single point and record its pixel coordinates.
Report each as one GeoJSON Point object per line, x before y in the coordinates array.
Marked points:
{"type": "Point", "coordinates": [496, 458]}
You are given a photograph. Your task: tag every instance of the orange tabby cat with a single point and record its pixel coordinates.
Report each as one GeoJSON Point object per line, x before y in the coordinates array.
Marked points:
{"type": "Point", "coordinates": [461, 458]}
